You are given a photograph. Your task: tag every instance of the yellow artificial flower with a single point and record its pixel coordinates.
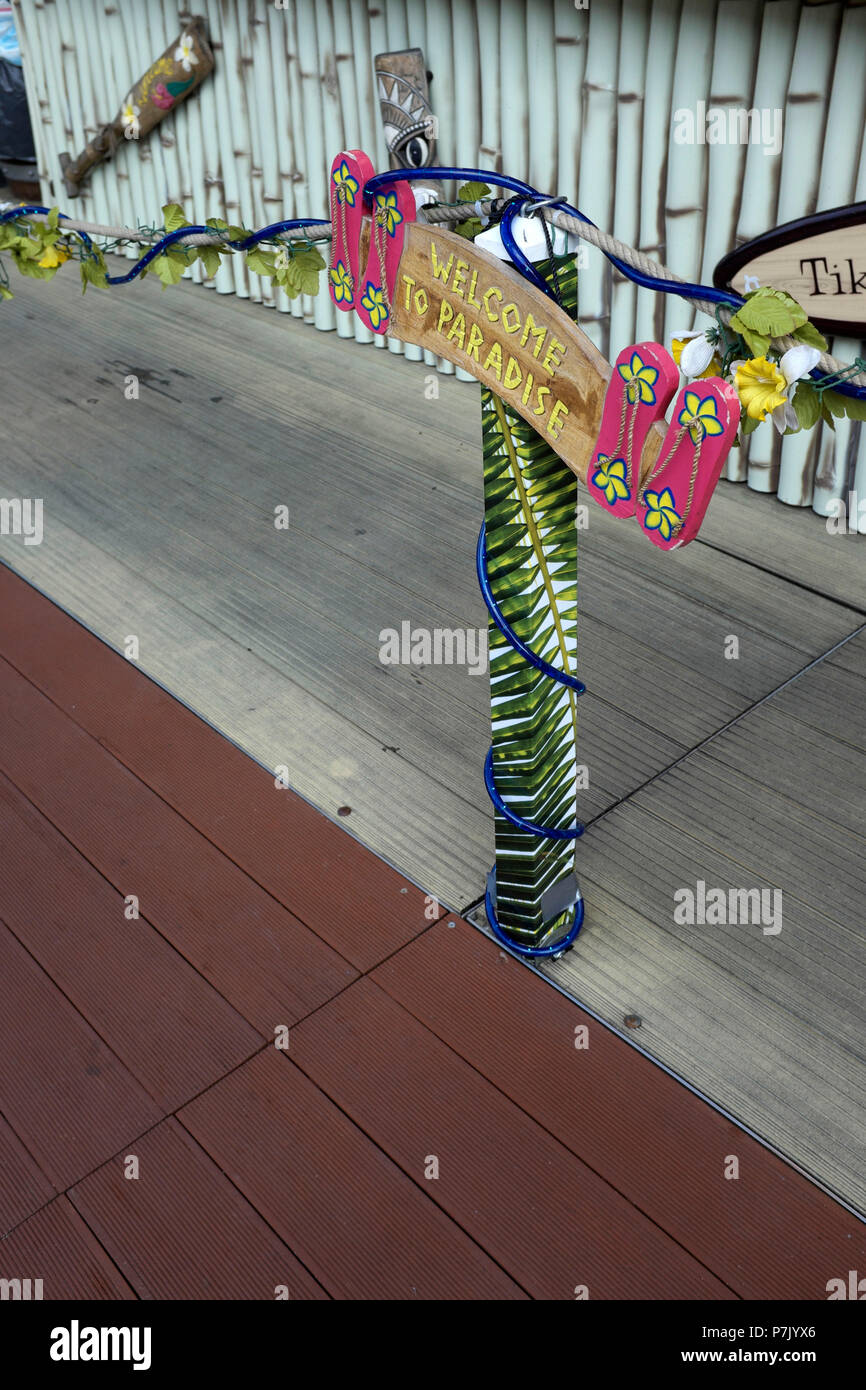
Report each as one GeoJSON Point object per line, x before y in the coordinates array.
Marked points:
{"type": "Point", "coordinates": [761, 386]}
{"type": "Point", "coordinates": [54, 256]}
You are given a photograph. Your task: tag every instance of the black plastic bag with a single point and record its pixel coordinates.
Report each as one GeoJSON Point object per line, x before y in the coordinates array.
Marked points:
{"type": "Point", "coordinates": [16, 136]}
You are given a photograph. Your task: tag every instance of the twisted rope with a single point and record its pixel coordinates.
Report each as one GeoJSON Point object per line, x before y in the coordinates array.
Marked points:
{"type": "Point", "coordinates": [612, 246]}
{"type": "Point", "coordinates": [444, 213]}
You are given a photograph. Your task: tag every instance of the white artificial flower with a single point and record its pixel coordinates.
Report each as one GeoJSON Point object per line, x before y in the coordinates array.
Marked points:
{"type": "Point", "coordinates": [795, 364]}
{"type": "Point", "coordinates": [696, 355]}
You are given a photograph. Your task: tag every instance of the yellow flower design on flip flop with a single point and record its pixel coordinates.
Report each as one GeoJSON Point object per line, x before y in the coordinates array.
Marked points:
{"type": "Point", "coordinates": [342, 283]}
{"type": "Point", "coordinates": [761, 386]}
{"type": "Point", "coordinates": [662, 514]}
{"type": "Point", "coordinates": [701, 416]}
{"type": "Point", "coordinates": [346, 186]}
{"type": "Point", "coordinates": [389, 215]}
{"type": "Point", "coordinates": [374, 302]}
{"type": "Point", "coordinates": [641, 379]}
{"type": "Point", "coordinates": [610, 478]}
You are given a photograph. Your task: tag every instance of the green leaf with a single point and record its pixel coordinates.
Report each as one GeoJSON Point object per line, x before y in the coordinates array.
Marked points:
{"type": "Point", "coordinates": [5, 292]}
{"type": "Point", "coordinates": [174, 217]}
{"type": "Point", "coordinates": [307, 266]}
{"type": "Point", "coordinates": [217, 223]}
{"type": "Point", "coordinates": [807, 333]}
{"type": "Point", "coordinates": [53, 219]}
{"type": "Point", "coordinates": [770, 312]}
{"type": "Point", "coordinates": [807, 404]}
{"type": "Point", "coordinates": [210, 259]}
{"type": "Point", "coordinates": [262, 262]}
{"type": "Point", "coordinates": [93, 272]}
{"type": "Point", "coordinates": [854, 409]}
{"type": "Point", "coordinates": [169, 268]}
{"type": "Point", "coordinates": [834, 403]}
{"type": "Point", "coordinates": [747, 424]}
{"type": "Point", "coordinates": [469, 229]}
{"type": "Point", "coordinates": [826, 416]}
{"type": "Point", "coordinates": [757, 343]}
{"type": "Point", "coordinates": [471, 192]}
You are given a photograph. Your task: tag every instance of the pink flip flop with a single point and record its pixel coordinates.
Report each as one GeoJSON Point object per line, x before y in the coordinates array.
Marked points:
{"type": "Point", "coordinates": [392, 212]}
{"type": "Point", "coordinates": [349, 172]}
{"type": "Point", "coordinates": [673, 501]}
{"type": "Point", "coordinates": [641, 388]}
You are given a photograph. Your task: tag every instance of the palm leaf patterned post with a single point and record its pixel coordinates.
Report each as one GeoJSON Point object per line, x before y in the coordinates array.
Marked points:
{"type": "Point", "coordinates": [530, 499]}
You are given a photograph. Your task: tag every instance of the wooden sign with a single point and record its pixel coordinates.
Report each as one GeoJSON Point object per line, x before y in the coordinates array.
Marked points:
{"type": "Point", "coordinates": [462, 303]}
{"type": "Point", "coordinates": [820, 260]}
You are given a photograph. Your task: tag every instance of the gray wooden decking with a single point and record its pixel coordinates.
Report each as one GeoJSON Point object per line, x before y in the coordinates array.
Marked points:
{"type": "Point", "coordinates": [746, 772]}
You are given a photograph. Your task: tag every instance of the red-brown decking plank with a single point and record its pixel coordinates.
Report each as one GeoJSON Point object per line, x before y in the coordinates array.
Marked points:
{"type": "Point", "coordinates": [68, 1098]}
{"type": "Point", "coordinates": [24, 1188]}
{"type": "Point", "coordinates": [265, 962]}
{"type": "Point", "coordinates": [180, 1230]}
{"type": "Point", "coordinates": [56, 1247]}
{"type": "Point", "coordinates": [170, 1028]}
{"type": "Point", "coordinates": [345, 894]}
{"type": "Point", "coordinates": [539, 1211]}
{"type": "Point", "coordinates": [768, 1234]}
{"type": "Point", "coordinates": [357, 1223]}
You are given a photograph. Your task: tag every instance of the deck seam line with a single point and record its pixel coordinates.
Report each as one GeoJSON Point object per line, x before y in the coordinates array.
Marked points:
{"type": "Point", "coordinates": [762, 700]}
{"type": "Point", "coordinates": [797, 584]}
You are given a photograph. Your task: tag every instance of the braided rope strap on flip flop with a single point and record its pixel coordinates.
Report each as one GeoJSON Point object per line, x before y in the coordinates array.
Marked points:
{"type": "Point", "coordinates": [630, 396]}
{"type": "Point", "coordinates": [341, 204]}
{"type": "Point", "coordinates": [378, 231]}
{"type": "Point", "coordinates": [677, 526]}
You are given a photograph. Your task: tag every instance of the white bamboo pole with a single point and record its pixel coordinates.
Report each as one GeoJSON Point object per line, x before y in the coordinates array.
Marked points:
{"type": "Point", "coordinates": [685, 217]}
{"type": "Point", "coordinates": [631, 79]}
{"type": "Point", "coordinates": [123, 185]}
{"type": "Point", "coordinates": [540, 47]}
{"type": "Point", "coordinates": [843, 139]}
{"type": "Point", "coordinates": [571, 30]}
{"type": "Point", "coordinates": [596, 186]}
{"type": "Point", "coordinates": [760, 189]}
{"type": "Point", "coordinates": [731, 85]}
{"type": "Point", "coordinates": [661, 45]}
{"type": "Point", "coordinates": [447, 106]}
{"type": "Point", "coordinates": [222, 134]}
{"type": "Point", "coordinates": [803, 146]}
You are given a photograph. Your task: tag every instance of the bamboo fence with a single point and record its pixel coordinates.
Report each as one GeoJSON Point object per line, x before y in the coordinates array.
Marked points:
{"type": "Point", "coordinates": [578, 101]}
